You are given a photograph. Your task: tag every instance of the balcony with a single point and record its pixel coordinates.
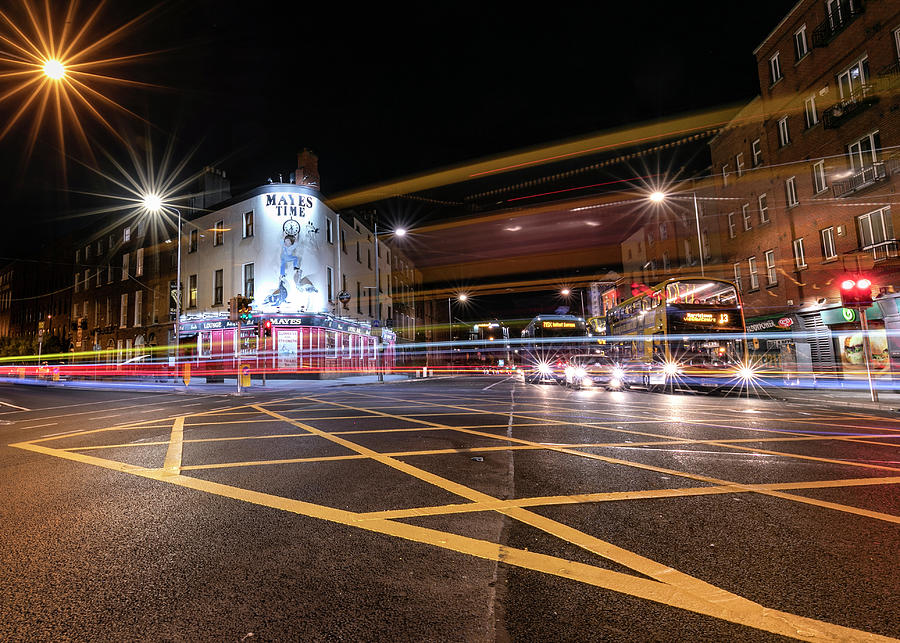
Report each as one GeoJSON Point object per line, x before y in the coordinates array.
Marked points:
{"type": "Point", "coordinates": [847, 12]}
{"type": "Point", "coordinates": [865, 177]}
{"type": "Point", "coordinates": [883, 249]}
{"type": "Point", "coordinates": [842, 111]}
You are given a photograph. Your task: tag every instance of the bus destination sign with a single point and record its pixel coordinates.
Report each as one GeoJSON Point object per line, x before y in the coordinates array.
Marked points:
{"type": "Point", "coordinates": [559, 324]}
{"type": "Point", "coordinates": [707, 318]}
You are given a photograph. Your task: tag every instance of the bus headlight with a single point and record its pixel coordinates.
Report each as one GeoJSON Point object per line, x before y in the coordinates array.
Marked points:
{"type": "Point", "coordinates": [580, 372]}
{"type": "Point", "coordinates": [671, 369]}
{"type": "Point", "coordinates": [618, 374]}
{"type": "Point", "coordinates": [746, 373]}
{"type": "Point", "coordinates": [615, 382]}
{"type": "Point", "coordinates": [544, 368]}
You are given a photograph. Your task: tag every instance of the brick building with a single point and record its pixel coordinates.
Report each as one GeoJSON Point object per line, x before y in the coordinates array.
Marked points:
{"type": "Point", "coordinates": [806, 174]}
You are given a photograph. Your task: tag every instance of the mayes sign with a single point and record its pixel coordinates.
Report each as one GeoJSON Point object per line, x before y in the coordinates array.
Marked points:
{"type": "Point", "coordinates": [288, 204]}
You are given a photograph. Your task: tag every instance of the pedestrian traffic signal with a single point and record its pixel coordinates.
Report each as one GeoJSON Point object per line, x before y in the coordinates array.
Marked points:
{"type": "Point", "coordinates": [856, 292]}
{"type": "Point", "coordinates": [267, 328]}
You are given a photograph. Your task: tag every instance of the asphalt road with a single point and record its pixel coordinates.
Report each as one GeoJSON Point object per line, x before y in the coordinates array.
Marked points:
{"type": "Point", "coordinates": [462, 509]}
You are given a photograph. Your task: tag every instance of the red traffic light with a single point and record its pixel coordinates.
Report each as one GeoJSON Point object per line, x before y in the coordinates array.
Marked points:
{"type": "Point", "coordinates": [267, 328]}
{"type": "Point", "coordinates": [856, 292]}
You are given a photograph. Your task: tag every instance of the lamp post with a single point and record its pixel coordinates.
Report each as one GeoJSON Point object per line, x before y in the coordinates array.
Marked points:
{"type": "Point", "coordinates": [398, 232]}
{"type": "Point", "coordinates": [462, 297]}
{"type": "Point", "coordinates": [154, 204]}
{"type": "Point", "coordinates": [565, 292]}
{"type": "Point", "coordinates": [659, 197]}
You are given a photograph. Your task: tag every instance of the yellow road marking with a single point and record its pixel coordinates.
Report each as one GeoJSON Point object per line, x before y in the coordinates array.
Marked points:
{"type": "Point", "coordinates": [172, 464]}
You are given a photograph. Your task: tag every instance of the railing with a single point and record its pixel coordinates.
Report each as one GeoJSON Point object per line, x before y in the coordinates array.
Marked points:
{"type": "Point", "coordinates": [837, 114]}
{"type": "Point", "coordinates": [883, 249]}
{"type": "Point", "coordinates": [861, 179]}
{"type": "Point", "coordinates": [837, 21]}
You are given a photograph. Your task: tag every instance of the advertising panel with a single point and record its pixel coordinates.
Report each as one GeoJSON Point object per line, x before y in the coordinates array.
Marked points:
{"type": "Point", "coordinates": [850, 349]}
{"type": "Point", "coordinates": [287, 349]}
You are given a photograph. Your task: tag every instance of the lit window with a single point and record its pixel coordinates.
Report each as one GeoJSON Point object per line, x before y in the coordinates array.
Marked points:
{"type": "Point", "coordinates": [126, 235]}
{"type": "Point", "coordinates": [219, 233]}
{"type": "Point", "coordinates": [248, 280]}
{"type": "Point", "coordinates": [124, 266]}
{"type": "Point", "coordinates": [192, 243]}
{"type": "Point", "coordinates": [218, 287]}
{"type": "Point", "coordinates": [123, 311]}
{"type": "Point", "coordinates": [248, 224]}
{"type": "Point", "coordinates": [138, 307]}
{"type": "Point", "coordinates": [139, 262]}
{"type": "Point", "coordinates": [192, 291]}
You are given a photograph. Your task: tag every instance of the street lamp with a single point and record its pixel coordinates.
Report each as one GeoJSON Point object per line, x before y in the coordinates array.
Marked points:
{"type": "Point", "coordinates": [659, 197]}
{"type": "Point", "coordinates": [565, 292]}
{"type": "Point", "coordinates": [153, 203]}
{"type": "Point", "coordinates": [462, 297]}
{"type": "Point", "coordinates": [398, 232]}
{"type": "Point", "coordinates": [54, 69]}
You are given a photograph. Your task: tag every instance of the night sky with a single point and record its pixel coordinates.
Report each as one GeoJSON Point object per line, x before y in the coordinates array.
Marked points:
{"type": "Point", "coordinates": [383, 93]}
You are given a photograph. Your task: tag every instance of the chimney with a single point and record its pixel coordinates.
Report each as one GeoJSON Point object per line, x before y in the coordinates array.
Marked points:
{"type": "Point", "coordinates": [307, 169]}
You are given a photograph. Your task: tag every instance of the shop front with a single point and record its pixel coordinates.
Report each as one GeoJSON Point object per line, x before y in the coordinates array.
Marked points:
{"type": "Point", "coordinates": [773, 348]}
{"type": "Point", "coordinates": [847, 339]}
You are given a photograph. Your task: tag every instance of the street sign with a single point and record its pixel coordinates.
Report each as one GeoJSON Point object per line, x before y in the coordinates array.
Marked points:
{"type": "Point", "coordinates": [344, 297]}
{"type": "Point", "coordinates": [376, 323]}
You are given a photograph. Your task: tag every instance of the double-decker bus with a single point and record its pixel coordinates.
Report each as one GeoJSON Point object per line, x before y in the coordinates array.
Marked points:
{"type": "Point", "coordinates": [548, 342]}
{"type": "Point", "coordinates": [685, 332]}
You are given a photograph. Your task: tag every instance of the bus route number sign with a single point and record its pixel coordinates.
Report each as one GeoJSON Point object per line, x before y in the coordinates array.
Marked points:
{"type": "Point", "coordinates": [558, 324]}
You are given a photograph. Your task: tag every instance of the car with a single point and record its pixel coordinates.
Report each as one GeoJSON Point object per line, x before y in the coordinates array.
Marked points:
{"type": "Point", "coordinates": [587, 370]}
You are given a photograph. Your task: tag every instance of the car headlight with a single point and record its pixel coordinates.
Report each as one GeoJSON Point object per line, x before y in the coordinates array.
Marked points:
{"type": "Point", "coordinates": [671, 369]}
{"type": "Point", "coordinates": [618, 373]}
{"type": "Point", "coordinates": [615, 382]}
{"type": "Point", "coordinates": [544, 367]}
{"type": "Point", "coordinates": [746, 373]}
{"type": "Point", "coordinates": [580, 372]}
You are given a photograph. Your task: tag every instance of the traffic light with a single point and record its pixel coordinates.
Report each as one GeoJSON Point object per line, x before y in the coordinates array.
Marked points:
{"type": "Point", "coordinates": [233, 309]}
{"type": "Point", "coordinates": [267, 328]}
{"type": "Point", "coordinates": [856, 292]}
{"type": "Point", "coordinates": [245, 314]}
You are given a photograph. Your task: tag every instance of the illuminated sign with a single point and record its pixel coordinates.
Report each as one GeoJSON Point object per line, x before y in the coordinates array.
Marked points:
{"type": "Point", "coordinates": [706, 318]}
{"type": "Point", "coordinates": [558, 324]}
{"type": "Point", "coordinates": [288, 204]}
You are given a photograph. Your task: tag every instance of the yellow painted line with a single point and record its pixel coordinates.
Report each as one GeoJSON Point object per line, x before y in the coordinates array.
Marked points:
{"type": "Point", "coordinates": [618, 496]}
{"type": "Point", "coordinates": [172, 464]}
{"type": "Point", "coordinates": [700, 598]}
{"type": "Point", "coordinates": [684, 474]}
{"type": "Point", "coordinates": [257, 463]}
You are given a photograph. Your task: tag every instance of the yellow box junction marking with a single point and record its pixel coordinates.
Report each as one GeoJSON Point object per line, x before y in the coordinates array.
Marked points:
{"type": "Point", "coordinates": [668, 586]}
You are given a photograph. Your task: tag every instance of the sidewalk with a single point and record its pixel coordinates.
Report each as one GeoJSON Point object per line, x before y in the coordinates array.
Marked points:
{"type": "Point", "coordinates": [227, 388]}
{"type": "Point", "coordinates": [858, 399]}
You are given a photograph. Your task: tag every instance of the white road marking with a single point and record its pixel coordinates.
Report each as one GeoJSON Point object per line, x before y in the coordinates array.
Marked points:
{"type": "Point", "coordinates": [152, 410]}
{"type": "Point", "coordinates": [37, 426]}
{"type": "Point", "coordinates": [495, 383]}
{"type": "Point", "coordinates": [21, 408]}
{"type": "Point", "coordinates": [51, 435]}
{"type": "Point", "coordinates": [106, 417]}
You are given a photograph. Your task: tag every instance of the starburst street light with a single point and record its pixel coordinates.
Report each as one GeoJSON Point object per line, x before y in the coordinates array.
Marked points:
{"type": "Point", "coordinates": [53, 62]}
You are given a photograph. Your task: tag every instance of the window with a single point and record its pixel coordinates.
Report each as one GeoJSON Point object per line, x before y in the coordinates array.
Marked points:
{"type": "Point", "coordinates": [109, 273]}
{"type": "Point", "coordinates": [801, 48]}
{"type": "Point", "coordinates": [77, 281]}
{"type": "Point", "coordinates": [897, 43]}
{"type": "Point", "coordinates": [78, 256]}
{"type": "Point", "coordinates": [852, 82]}
{"type": "Point", "coordinates": [248, 224]}
{"type": "Point", "coordinates": [329, 231]}
{"type": "Point", "coordinates": [864, 152]}
{"type": "Point", "coordinates": [329, 282]}
{"type": "Point", "coordinates": [123, 311]}
{"type": "Point", "coordinates": [731, 233]}
{"type": "Point", "coordinates": [99, 277]}
{"type": "Point", "coordinates": [663, 231]}
{"type": "Point", "coordinates": [343, 242]}
{"type": "Point", "coordinates": [248, 280]}
{"type": "Point", "coordinates": [139, 262]}
{"type": "Point", "coordinates": [688, 255]}
{"type": "Point", "coordinates": [874, 228]}
{"type": "Point", "coordinates": [784, 136]}
{"type": "Point", "coordinates": [369, 257]}
{"type": "Point", "coordinates": [650, 238]}
{"type": "Point", "coordinates": [818, 171]}
{"type": "Point", "coordinates": [756, 148]}
{"type": "Point", "coordinates": [99, 247]}
{"type": "Point", "coordinates": [790, 191]}
{"type": "Point", "coordinates": [745, 213]}
{"type": "Point", "coordinates": [810, 116]}
{"type": "Point", "coordinates": [87, 253]}
{"type": "Point", "coordinates": [827, 236]}
{"type": "Point", "coordinates": [737, 276]}
{"type": "Point", "coordinates": [754, 275]}
{"type": "Point", "coordinates": [763, 201]}
{"type": "Point", "coordinates": [219, 233]}
{"type": "Point", "coordinates": [799, 254]}
{"type": "Point", "coordinates": [725, 174]}
{"type": "Point", "coordinates": [126, 235]}
{"type": "Point", "coordinates": [739, 164]}
{"type": "Point", "coordinates": [85, 309]}
{"type": "Point", "coordinates": [704, 240]}
{"type": "Point", "coordinates": [125, 266]}
{"type": "Point", "coordinates": [192, 291]}
{"type": "Point", "coordinates": [192, 243]}
{"type": "Point", "coordinates": [138, 307]}
{"type": "Point", "coordinates": [358, 260]}
{"type": "Point", "coordinates": [358, 298]}
{"type": "Point", "coordinates": [771, 275]}
{"type": "Point", "coordinates": [775, 69]}
{"type": "Point", "coordinates": [218, 278]}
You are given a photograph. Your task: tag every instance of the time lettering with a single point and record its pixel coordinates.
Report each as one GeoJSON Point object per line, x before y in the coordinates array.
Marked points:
{"type": "Point", "coordinates": [289, 205]}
